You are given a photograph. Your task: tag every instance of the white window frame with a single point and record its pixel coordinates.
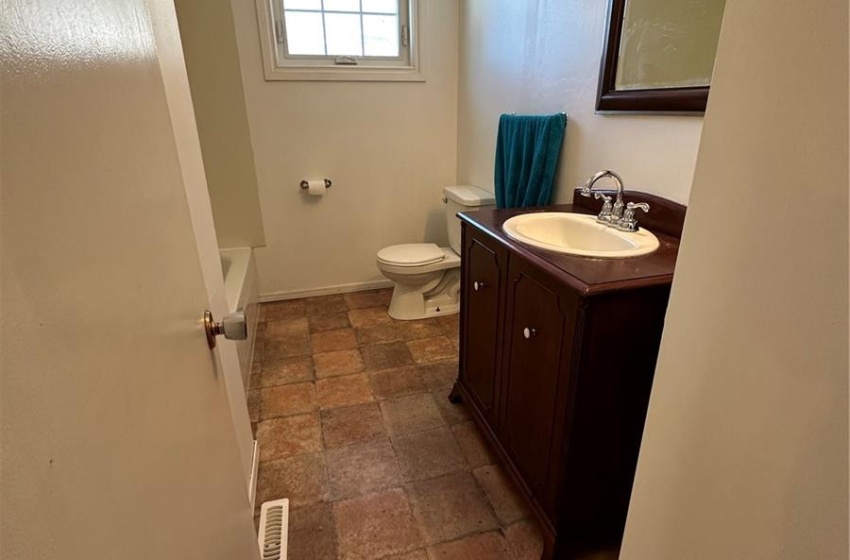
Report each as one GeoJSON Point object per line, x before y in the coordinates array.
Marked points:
{"type": "Point", "coordinates": [278, 66]}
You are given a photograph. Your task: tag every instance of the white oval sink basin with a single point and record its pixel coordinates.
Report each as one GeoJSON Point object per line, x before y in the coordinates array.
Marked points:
{"type": "Point", "coordinates": [578, 234]}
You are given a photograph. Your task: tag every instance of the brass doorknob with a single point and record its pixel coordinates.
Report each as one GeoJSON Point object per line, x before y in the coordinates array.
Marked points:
{"type": "Point", "coordinates": [233, 327]}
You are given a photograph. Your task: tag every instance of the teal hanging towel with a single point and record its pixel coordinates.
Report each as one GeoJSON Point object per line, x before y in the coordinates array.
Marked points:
{"type": "Point", "coordinates": [527, 151]}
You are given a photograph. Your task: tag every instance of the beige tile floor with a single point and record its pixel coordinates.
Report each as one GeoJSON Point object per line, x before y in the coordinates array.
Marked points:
{"type": "Point", "coordinates": [351, 413]}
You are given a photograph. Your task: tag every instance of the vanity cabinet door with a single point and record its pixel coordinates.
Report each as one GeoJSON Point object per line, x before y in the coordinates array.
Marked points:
{"type": "Point", "coordinates": [539, 343]}
{"type": "Point", "coordinates": [482, 280]}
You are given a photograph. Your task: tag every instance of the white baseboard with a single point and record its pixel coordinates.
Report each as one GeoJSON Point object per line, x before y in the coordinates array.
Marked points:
{"type": "Point", "coordinates": [313, 292]}
{"type": "Point", "coordinates": [252, 487]}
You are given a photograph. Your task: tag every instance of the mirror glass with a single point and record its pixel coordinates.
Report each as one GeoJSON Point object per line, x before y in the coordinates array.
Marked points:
{"type": "Point", "coordinates": [668, 43]}
{"type": "Point", "coordinates": [659, 55]}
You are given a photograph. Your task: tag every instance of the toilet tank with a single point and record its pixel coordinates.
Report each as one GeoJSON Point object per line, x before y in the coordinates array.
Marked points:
{"type": "Point", "coordinates": [463, 198]}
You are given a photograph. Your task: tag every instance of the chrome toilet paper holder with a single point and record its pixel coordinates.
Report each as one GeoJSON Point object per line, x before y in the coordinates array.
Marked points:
{"type": "Point", "coordinates": [305, 185]}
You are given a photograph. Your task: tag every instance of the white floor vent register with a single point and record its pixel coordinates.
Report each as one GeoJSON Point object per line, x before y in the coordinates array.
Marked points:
{"type": "Point", "coordinates": [274, 529]}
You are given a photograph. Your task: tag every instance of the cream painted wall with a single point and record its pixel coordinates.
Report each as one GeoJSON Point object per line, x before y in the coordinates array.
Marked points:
{"type": "Point", "coordinates": [745, 453]}
{"type": "Point", "coordinates": [389, 148]}
{"type": "Point", "coordinates": [212, 62]}
{"type": "Point", "coordinates": [543, 57]}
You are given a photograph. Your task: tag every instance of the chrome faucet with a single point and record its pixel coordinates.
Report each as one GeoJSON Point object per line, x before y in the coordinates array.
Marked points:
{"type": "Point", "coordinates": [617, 214]}
{"type": "Point", "coordinates": [611, 213]}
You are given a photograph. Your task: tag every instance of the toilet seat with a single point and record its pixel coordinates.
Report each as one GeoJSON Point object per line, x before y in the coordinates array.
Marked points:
{"type": "Point", "coordinates": [429, 260]}
{"type": "Point", "coordinates": [411, 254]}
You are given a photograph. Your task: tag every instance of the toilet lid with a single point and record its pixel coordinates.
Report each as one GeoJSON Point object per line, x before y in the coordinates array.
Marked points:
{"type": "Point", "coordinates": [411, 254]}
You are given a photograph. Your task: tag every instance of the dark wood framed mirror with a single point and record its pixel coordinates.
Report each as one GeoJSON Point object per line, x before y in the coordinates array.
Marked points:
{"type": "Point", "coordinates": [659, 55]}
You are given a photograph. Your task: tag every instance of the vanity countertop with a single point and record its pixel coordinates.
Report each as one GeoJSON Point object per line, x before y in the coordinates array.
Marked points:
{"type": "Point", "coordinates": [592, 276]}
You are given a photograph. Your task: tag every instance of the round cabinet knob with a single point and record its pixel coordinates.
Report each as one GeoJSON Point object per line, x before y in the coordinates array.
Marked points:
{"type": "Point", "coordinates": [528, 332]}
{"type": "Point", "coordinates": [477, 286]}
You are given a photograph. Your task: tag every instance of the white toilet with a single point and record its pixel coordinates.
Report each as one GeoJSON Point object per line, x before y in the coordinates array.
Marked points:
{"type": "Point", "coordinates": [427, 277]}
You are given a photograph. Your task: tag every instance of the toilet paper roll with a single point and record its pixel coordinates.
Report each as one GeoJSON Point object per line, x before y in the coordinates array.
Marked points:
{"type": "Point", "coordinates": [316, 187]}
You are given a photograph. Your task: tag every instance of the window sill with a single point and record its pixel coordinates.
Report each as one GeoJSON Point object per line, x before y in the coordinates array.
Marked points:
{"type": "Point", "coordinates": [344, 74]}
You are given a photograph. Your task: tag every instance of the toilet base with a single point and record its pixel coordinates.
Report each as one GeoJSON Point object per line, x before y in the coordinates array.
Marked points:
{"type": "Point", "coordinates": [442, 305]}
{"type": "Point", "coordinates": [410, 304]}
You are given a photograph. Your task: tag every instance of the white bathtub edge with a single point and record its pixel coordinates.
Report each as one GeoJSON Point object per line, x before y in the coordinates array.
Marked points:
{"type": "Point", "coordinates": [241, 287]}
{"type": "Point", "coordinates": [237, 275]}
{"type": "Point", "coordinates": [255, 464]}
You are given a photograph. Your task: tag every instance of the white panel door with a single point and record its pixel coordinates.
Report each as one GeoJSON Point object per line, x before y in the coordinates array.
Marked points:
{"type": "Point", "coordinates": [116, 437]}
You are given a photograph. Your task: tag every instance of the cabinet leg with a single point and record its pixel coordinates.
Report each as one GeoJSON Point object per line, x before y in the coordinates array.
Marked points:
{"type": "Point", "coordinates": [455, 396]}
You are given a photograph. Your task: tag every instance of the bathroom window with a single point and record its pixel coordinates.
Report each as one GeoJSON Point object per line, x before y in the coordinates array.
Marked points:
{"type": "Point", "coordinates": [351, 40]}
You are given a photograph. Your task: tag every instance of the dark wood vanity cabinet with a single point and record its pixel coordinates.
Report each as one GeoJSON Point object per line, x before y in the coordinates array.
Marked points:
{"type": "Point", "coordinates": [557, 356]}
{"type": "Point", "coordinates": [538, 331]}
{"type": "Point", "coordinates": [483, 291]}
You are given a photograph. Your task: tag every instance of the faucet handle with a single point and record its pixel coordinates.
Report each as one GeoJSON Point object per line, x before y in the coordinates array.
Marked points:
{"type": "Point", "coordinates": [628, 221]}
{"type": "Point", "coordinates": [604, 216]}
{"type": "Point", "coordinates": [637, 205]}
